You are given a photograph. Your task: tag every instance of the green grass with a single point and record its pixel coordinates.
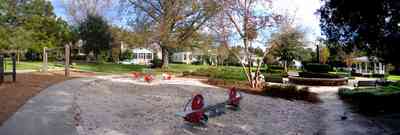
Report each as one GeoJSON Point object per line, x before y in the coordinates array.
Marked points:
{"type": "Point", "coordinates": [394, 77]}
{"type": "Point", "coordinates": [220, 72]}
{"type": "Point", "coordinates": [28, 65]}
{"type": "Point", "coordinates": [109, 68]}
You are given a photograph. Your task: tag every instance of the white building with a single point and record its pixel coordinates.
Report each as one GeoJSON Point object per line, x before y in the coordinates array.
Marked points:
{"type": "Point", "coordinates": [186, 57]}
{"type": "Point", "coordinates": [142, 56]}
{"type": "Point", "coordinates": [254, 58]}
{"type": "Point", "coordinates": [367, 66]}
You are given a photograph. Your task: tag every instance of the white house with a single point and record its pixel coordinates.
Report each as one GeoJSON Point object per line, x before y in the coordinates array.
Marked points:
{"type": "Point", "coordinates": [142, 56]}
{"type": "Point", "coordinates": [254, 58]}
{"type": "Point", "coordinates": [186, 57]}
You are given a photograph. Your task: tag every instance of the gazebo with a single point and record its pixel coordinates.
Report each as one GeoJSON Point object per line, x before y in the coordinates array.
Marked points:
{"type": "Point", "coordinates": [368, 66]}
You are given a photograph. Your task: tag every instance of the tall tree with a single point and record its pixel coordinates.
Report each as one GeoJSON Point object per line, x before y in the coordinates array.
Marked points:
{"type": "Point", "coordinates": [174, 20]}
{"type": "Point", "coordinates": [77, 10]}
{"type": "Point", "coordinates": [287, 44]}
{"type": "Point", "coordinates": [37, 17]}
{"type": "Point", "coordinates": [96, 35]}
{"type": "Point", "coordinates": [243, 19]}
{"type": "Point", "coordinates": [374, 26]}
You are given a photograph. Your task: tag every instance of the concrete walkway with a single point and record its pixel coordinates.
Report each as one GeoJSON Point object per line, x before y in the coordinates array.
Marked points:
{"type": "Point", "coordinates": [339, 119]}
{"type": "Point", "coordinates": [48, 113]}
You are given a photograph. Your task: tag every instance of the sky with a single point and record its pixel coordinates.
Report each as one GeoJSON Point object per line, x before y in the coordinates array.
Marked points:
{"type": "Point", "coordinates": [302, 10]}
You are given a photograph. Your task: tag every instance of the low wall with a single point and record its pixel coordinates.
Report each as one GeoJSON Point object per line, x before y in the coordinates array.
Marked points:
{"type": "Point", "coordinates": [318, 81]}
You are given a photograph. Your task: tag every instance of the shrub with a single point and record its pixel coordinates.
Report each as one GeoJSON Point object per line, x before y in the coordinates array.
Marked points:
{"type": "Point", "coordinates": [127, 55]}
{"type": "Point", "coordinates": [291, 92]}
{"type": "Point", "coordinates": [372, 100]}
{"type": "Point", "coordinates": [156, 63]}
{"type": "Point", "coordinates": [318, 75]}
{"type": "Point", "coordinates": [318, 68]}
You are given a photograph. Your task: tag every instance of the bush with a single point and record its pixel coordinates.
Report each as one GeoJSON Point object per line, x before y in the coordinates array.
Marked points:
{"type": "Point", "coordinates": [291, 92]}
{"type": "Point", "coordinates": [127, 55]}
{"type": "Point", "coordinates": [156, 63]}
{"type": "Point", "coordinates": [317, 68]}
{"type": "Point", "coordinates": [318, 75]}
{"type": "Point", "coordinates": [372, 100]}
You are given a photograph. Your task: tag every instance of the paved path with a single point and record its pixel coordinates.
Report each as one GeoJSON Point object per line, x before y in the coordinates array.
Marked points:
{"type": "Point", "coordinates": [354, 124]}
{"type": "Point", "coordinates": [48, 113]}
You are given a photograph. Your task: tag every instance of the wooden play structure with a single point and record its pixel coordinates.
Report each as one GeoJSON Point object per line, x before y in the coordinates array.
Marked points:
{"type": "Point", "coordinates": [3, 64]}
{"type": "Point", "coordinates": [66, 55]}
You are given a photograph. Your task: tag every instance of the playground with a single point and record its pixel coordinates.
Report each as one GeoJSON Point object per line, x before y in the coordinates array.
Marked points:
{"type": "Point", "coordinates": [120, 105]}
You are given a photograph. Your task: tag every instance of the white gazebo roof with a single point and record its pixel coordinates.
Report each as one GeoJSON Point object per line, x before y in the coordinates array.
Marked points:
{"type": "Point", "coordinates": [365, 59]}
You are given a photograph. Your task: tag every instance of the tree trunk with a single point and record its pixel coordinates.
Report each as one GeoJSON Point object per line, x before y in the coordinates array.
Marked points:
{"type": "Point", "coordinates": [18, 56]}
{"type": "Point", "coordinates": [285, 68]}
{"type": "Point", "coordinates": [165, 57]}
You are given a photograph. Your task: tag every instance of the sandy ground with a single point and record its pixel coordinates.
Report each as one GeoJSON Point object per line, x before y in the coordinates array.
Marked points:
{"type": "Point", "coordinates": [121, 106]}
{"type": "Point", "coordinates": [14, 95]}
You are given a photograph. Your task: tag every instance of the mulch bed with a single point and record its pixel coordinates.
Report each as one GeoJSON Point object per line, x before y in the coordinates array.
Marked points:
{"type": "Point", "coordinates": [14, 95]}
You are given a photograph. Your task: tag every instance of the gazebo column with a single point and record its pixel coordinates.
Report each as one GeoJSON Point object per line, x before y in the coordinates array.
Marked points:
{"type": "Point", "coordinates": [359, 67]}
{"type": "Point", "coordinates": [375, 70]}
{"type": "Point", "coordinates": [366, 67]}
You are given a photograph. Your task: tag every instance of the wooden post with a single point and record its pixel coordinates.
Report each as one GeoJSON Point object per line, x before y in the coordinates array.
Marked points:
{"type": "Point", "coordinates": [45, 64]}
{"type": "Point", "coordinates": [66, 55]}
{"type": "Point", "coordinates": [14, 67]}
{"type": "Point", "coordinates": [1, 68]}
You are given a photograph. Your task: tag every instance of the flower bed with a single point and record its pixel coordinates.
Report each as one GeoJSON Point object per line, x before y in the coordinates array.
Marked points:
{"type": "Point", "coordinates": [318, 81]}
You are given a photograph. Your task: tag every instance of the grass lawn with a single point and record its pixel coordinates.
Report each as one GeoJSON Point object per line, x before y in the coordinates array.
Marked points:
{"type": "Point", "coordinates": [109, 68]}
{"type": "Point", "coordinates": [220, 72]}
{"type": "Point", "coordinates": [394, 77]}
{"type": "Point", "coordinates": [28, 65]}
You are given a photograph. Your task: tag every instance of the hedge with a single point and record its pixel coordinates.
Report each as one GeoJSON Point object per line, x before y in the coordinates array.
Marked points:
{"type": "Point", "coordinates": [316, 67]}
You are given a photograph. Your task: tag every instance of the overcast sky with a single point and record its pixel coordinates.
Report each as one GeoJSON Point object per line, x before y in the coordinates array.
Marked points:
{"type": "Point", "coordinates": [303, 10]}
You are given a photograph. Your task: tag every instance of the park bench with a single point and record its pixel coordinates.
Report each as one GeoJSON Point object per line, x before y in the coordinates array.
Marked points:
{"type": "Point", "coordinates": [366, 84]}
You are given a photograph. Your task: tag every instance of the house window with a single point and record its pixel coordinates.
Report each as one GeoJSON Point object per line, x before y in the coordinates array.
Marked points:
{"type": "Point", "coordinates": [134, 55]}
{"type": "Point", "coordinates": [148, 55]}
{"type": "Point", "coordinates": [190, 57]}
{"type": "Point", "coordinates": [184, 57]}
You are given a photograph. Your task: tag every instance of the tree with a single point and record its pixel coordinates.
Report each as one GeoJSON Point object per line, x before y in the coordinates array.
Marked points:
{"type": "Point", "coordinates": [78, 10]}
{"type": "Point", "coordinates": [373, 27]}
{"type": "Point", "coordinates": [287, 43]}
{"type": "Point", "coordinates": [324, 52]}
{"type": "Point", "coordinates": [37, 17]}
{"type": "Point", "coordinates": [94, 31]}
{"type": "Point", "coordinates": [242, 19]}
{"type": "Point", "coordinates": [174, 21]}
{"type": "Point", "coordinates": [20, 39]}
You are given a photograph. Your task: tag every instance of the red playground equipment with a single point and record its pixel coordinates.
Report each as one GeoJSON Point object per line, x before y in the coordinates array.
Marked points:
{"type": "Point", "coordinates": [167, 76]}
{"type": "Point", "coordinates": [136, 75]}
{"type": "Point", "coordinates": [148, 78]}
{"type": "Point", "coordinates": [198, 112]}
{"type": "Point", "coordinates": [234, 97]}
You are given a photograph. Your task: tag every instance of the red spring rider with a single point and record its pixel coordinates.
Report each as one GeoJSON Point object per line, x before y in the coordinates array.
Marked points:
{"type": "Point", "coordinates": [148, 78]}
{"type": "Point", "coordinates": [234, 97]}
{"type": "Point", "coordinates": [197, 114]}
{"type": "Point", "coordinates": [136, 75]}
{"type": "Point", "coordinates": [167, 76]}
